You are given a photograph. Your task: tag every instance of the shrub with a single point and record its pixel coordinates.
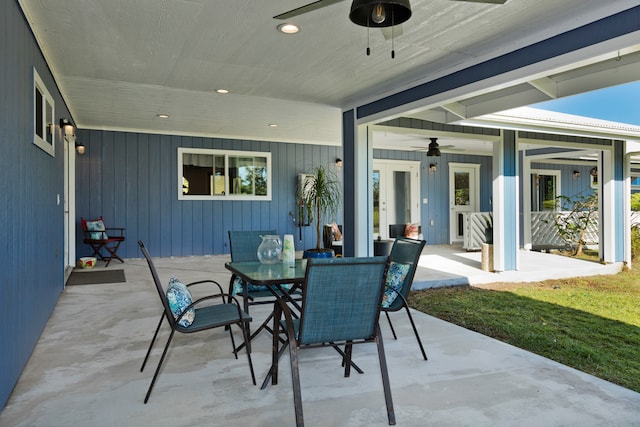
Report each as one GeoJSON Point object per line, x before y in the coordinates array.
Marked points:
{"type": "Point", "coordinates": [635, 242]}
{"type": "Point", "coordinates": [635, 202]}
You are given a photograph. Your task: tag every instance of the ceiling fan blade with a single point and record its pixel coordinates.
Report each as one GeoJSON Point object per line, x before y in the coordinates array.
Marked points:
{"type": "Point", "coordinates": [445, 147]}
{"type": "Point", "coordinates": [397, 31]}
{"type": "Point", "coordinates": [306, 8]}
{"type": "Point", "coordinates": [485, 1]}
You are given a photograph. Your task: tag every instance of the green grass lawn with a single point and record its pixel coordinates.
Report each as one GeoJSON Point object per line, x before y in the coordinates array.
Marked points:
{"type": "Point", "coordinates": [590, 323]}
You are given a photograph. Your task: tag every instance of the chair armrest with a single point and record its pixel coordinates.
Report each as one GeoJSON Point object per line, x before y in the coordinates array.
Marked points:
{"type": "Point", "coordinates": [404, 300]}
{"type": "Point", "coordinates": [199, 282]}
{"type": "Point", "coordinates": [110, 231]}
{"type": "Point", "coordinates": [206, 281]}
{"type": "Point", "coordinates": [208, 297]}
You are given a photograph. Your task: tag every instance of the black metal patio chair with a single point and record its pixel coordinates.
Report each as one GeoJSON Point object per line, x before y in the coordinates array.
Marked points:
{"type": "Point", "coordinates": [201, 315]}
{"type": "Point", "coordinates": [403, 262]}
{"type": "Point", "coordinates": [340, 306]}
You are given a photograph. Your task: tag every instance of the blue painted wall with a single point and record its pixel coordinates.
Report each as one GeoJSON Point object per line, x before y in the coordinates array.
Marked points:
{"type": "Point", "coordinates": [131, 179]}
{"type": "Point", "coordinates": [569, 185]}
{"type": "Point", "coordinates": [435, 188]}
{"type": "Point", "coordinates": [31, 253]}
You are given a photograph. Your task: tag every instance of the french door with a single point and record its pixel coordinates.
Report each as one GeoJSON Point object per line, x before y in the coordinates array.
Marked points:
{"type": "Point", "coordinates": [464, 190]}
{"type": "Point", "coordinates": [396, 194]}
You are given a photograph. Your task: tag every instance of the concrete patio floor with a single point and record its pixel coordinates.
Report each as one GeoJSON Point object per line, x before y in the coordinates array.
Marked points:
{"type": "Point", "coordinates": [85, 370]}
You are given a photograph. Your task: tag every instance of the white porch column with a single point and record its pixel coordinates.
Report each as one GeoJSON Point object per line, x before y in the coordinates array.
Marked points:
{"type": "Point", "coordinates": [505, 203]}
{"type": "Point", "coordinates": [612, 210]}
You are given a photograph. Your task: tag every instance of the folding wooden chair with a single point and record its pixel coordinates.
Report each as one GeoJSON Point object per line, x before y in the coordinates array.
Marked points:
{"type": "Point", "coordinates": [98, 237]}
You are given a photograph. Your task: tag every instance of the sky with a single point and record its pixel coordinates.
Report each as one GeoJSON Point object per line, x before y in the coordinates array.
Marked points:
{"type": "Point", "coordinates": [617, 104]}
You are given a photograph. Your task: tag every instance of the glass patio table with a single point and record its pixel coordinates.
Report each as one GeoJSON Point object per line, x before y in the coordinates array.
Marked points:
{"type": "Point", "coordinates": [273, 276]}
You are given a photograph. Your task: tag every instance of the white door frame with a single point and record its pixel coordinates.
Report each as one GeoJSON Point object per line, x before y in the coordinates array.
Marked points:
{"type": "Point", "coordinates": [69, 205]}
{"type": "Point", "coordinates": [474, 196]}
{"type": "Point", "coordinates": [386, 167]}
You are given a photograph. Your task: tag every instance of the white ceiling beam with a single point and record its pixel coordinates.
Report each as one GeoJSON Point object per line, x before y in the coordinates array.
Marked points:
{"type": "Point", "coordinates": [456, 109]}
{"type": "Point", "coordinates": [547, 86]}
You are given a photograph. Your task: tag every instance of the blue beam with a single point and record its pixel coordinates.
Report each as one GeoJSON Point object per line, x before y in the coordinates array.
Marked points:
{"type": "Point", "coordinates": [604, 29]}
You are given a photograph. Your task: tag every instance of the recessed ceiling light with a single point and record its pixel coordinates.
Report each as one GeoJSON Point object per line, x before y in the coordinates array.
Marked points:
{"type": "Point", "coordinates": [162, 116]}
{"type": "Point", "coordinates": [273, 125]}
{"type": "Point", "coordinates": [288, 28]}
{"type": "Point", "coordinates": [222, 91]}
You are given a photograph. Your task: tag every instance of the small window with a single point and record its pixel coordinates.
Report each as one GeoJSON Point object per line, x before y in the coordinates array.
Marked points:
{"type": "Point", "coordinates": [207, 174]}
{"type": "Point", "coordinates": [43, 114]}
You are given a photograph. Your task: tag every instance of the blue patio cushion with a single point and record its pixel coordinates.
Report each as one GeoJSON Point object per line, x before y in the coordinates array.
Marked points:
{"type": "Point", "coordinates": [179, 298]}
{"type": "Point", "coordinates": [237, 287]}
{"type": "Point", "coordinates": [396, 275]}
{"type": "Point", "coordinates": [96, 229]}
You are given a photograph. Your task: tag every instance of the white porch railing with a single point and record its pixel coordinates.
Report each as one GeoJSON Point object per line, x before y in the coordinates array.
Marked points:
{"type": "Point", "coordinates": [544, 233]}
{"type": "Point", "coordinates": [475, 224]}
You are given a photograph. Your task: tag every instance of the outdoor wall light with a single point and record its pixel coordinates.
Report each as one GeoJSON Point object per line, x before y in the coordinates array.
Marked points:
{"type": "Point", "coordinates": [69, 132]}
{"type": "Point", "coordinates": [433, 167]}
{"type": "Point", "coordinates": [338, 163]}
{"type": "Point", "coordinates": [576, 174]}
{"type": "Point", "coordinates": [67, 127]}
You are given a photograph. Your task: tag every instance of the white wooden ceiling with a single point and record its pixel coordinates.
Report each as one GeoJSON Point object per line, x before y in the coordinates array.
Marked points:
{"type": "Point", "coordinates": [120, 63]}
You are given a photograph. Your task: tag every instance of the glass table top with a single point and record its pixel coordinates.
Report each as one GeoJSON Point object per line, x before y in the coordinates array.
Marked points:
{"type": "Point", "coordinates": [269, 274]}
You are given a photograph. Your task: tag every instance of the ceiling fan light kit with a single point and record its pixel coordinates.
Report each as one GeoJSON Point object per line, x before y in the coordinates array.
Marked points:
{"type": "Point", "coordinates": [380, 14]}
{"type": "Point", "coordinates": [434, 148]}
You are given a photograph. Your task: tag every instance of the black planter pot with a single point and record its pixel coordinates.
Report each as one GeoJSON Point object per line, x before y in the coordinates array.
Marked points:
{"type": "Point", "coordinates": [488, 235]}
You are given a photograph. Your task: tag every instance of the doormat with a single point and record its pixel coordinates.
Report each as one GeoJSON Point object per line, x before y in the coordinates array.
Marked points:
{"type": "Point", "coordinates": [96, 277]}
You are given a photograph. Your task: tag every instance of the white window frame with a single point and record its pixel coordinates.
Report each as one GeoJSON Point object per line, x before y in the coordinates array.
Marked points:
{"type": "Point", "coordinates": [226, 154]}
{"type": "Point", "coordinates": [46, 142]}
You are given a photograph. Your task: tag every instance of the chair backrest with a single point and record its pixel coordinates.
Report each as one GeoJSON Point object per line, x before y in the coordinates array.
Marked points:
{"type": "Point", "coordinates": [158, 283]}
{"type": "Point", "coordinates": [328, 236]}
{"type": "Point", "coordinates": [244, 244]}
{"type": "Point", "coordinates": [396, 230]}
{"type": "Point", "coordinates": [406, 251]}
{"type": "Point", "coordinates": [341, 299]}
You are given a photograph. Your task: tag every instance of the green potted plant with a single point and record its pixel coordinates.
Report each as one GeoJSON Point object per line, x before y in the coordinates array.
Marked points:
{"type": "Point", "coordinates": [320, 195]}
